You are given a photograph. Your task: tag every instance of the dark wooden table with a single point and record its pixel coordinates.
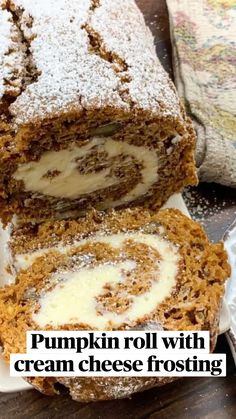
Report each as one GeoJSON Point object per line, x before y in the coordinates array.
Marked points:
{"type": "Point", "coordinates": [211, 398]}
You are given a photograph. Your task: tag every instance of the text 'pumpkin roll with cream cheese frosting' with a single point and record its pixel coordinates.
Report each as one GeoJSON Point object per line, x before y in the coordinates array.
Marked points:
{"type": "Point", "coordinates": [88, 118]}
{"type": "Point", "coordinates": [116, 271]}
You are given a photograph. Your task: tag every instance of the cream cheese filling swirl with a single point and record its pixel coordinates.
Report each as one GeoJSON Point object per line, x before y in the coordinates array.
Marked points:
{"type": "Point", "coordinates": [89, 294]}
{"type": "Point", "coordinates": [98, 165]}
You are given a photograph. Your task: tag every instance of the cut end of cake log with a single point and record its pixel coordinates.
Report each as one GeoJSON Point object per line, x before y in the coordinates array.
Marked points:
{"type": "Point", "coordinates": [89, 118]}
{"type": "Point", "coordinates": [111, 271]}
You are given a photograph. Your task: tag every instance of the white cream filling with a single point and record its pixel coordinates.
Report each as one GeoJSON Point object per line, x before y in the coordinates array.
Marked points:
{"type": "Point", "coordinates": [71, 184]}
{"type": "Point", "coordinates": [23, 261]}
{"type": "Point", "coordinates": [73, 299]}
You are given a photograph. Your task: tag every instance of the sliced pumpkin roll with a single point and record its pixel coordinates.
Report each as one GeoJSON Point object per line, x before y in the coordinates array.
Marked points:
{"type": "Point", "coordinates": [118, 271]}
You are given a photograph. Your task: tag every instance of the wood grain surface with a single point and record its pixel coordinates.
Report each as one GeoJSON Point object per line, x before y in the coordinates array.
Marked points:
{"type": "Point", "coordinates": [211, 398]}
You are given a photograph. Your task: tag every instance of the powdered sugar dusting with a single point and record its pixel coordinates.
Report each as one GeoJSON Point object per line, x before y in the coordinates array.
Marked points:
{"type": "Point", "coordinates": [213, 206]}
{"type": "Point", "coordinates": [133, 42]}
{"type": "Point", "coordinates": [11, 56]}
{"type": "Point", "coordinates": [5, 29]}
{"type": "Point", "coordinates": [72, 76]}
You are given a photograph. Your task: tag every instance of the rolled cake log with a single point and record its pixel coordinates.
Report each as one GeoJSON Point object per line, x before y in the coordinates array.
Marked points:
{"type": "Point", "coordinates": [89, 118]}
{"type": "Point", "coordinates": [123, 270]}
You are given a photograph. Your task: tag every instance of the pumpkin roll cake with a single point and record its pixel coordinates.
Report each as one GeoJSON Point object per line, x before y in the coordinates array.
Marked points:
{"type": "Point", "coordinates": [88, 116]}
{"type": "Point", "coordinates": [122, 270]}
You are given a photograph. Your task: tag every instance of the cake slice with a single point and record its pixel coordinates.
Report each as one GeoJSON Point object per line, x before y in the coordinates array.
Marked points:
{"type": "Point", "coordinates": [122, 270]}
{"type": "Point", "coordinates": [88, 116]}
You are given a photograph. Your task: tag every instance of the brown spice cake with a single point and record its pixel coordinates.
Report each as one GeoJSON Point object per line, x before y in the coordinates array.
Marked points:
{"type": "Point", "coordinates": [120, 270]}
{"type": "Point", "coordinates": [88, 116]}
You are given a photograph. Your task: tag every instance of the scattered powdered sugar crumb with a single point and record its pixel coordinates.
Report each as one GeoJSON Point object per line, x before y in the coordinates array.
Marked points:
{"type": "Point", "coordinates": [201, 206]}
{"type": "Point", "coordinates": [71, 76]}
{"type": "Point", "coordinates": [204, 206]}
{"type": "Point", "coordinates": [198, 206]}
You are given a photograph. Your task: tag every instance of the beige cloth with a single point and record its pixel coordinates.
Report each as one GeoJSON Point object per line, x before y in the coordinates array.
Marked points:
{"type": "Point", "coordinates": [204, 55]}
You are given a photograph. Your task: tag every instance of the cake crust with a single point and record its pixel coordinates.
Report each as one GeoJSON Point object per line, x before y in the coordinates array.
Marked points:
{"type": "Point", "coordinates": [108, 55]}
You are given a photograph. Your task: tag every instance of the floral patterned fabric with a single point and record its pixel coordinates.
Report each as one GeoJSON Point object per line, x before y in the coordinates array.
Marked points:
{"type": "Point", "coordinates": [204, 53]}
